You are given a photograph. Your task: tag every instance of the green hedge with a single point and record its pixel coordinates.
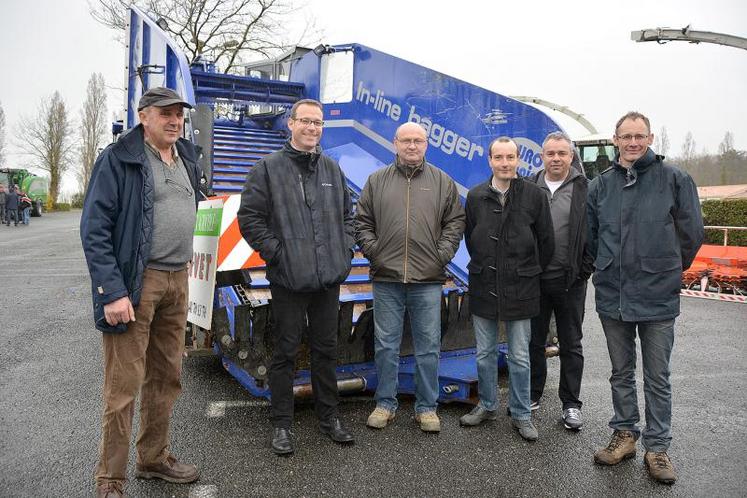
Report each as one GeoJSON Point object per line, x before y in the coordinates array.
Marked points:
{"type": "Point", "coordinates": [732, 213]}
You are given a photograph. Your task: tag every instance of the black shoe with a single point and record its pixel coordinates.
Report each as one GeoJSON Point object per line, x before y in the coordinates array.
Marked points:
{"type": "Point", "coordinates": [281, 441]}
{"type": "Point", "coordinates": [336, 431]}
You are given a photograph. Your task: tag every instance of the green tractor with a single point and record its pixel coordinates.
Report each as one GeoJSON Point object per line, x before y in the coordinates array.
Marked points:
{"type": "Point", "coordinates": [35, 187]}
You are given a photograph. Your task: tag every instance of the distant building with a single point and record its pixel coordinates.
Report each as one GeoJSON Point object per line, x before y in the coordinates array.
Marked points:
{"type": "Point", "coordinates": [722, 192]}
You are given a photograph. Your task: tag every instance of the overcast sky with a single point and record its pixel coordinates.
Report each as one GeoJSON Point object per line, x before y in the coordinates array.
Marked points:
{"type": "Point", "coordinates": [574, 53]}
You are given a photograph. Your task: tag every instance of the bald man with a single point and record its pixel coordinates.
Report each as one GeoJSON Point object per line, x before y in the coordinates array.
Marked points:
{"type": "Point", "coordinates": [409, 224]}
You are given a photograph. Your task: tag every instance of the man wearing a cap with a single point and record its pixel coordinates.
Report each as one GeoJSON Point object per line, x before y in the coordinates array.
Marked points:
{"type": "Point", "coordinates": [136, 228]}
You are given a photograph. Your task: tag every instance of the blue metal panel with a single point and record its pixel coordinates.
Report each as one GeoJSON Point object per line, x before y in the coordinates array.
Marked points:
{"type": "Point", "coordinates": [461, 118]}
{"type": "Point", "coordinates": [148, 44]}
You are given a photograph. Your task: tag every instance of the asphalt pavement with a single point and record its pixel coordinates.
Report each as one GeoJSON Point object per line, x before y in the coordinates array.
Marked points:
{"type": "Point", "coordinates": [50, 404]}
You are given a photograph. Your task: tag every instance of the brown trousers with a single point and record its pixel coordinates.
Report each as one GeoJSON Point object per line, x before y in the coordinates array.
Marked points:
{"type": "Point", "coordinates": [147, 358]}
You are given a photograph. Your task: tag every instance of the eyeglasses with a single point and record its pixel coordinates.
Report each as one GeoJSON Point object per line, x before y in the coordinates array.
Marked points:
{"type": "Point", "coordinates": [412, 141]}
{"type": "Point", "coordinates": [630, 138]}
{"type": "Point", "coordinates": [179, 187]}
{"type": "Point", "coordinates": [308, 122]}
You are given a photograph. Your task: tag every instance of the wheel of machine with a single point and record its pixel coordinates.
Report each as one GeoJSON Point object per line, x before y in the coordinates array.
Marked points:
{"type": "Point", "coordinates": [37, 208]}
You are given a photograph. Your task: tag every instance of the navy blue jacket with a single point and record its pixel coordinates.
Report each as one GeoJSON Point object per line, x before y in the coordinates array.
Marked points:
{"type": "Point", "coordinates": [116, 225]}
{"type": "Point", "coordinates": [296, 211]}
{"type": "Point", "coordinates": [645, 228]}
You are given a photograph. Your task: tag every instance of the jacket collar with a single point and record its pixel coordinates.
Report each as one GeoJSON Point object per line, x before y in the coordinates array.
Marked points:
{"type": "Point", "coordinates": [409, 171]}
{"type": "Point", "coordinates": [643, 164]}
{"type": "Point", "coordinates": [303, 159]}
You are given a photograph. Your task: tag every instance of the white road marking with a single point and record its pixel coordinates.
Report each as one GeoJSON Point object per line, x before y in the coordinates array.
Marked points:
{"type": "Point", "coordinates": [218, 408]}
{"type": "Point", "coordinates": [203, 491]}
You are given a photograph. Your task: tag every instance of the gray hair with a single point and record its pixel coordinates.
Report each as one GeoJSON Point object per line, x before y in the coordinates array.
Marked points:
{"type": "Point", "coordinates": [558, 135]}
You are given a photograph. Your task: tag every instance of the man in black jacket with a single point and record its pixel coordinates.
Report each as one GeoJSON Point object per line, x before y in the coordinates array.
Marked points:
{"type": "Point", "coordinates": [509, 237]}
{"type": "Point", "coordinates": [563, 283]}
{"type": "Point", "coordinates": [296, 211]}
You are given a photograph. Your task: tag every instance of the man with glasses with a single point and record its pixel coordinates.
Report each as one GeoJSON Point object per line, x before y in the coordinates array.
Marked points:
{"type": "Point", "coordinates": [136, 228]}
{"type": "Point", "coordinates": [296, 211]}
{"type": "Point", "coordinates": [645, 228]}
{"type": "Point", "coordinates": [409, 224]}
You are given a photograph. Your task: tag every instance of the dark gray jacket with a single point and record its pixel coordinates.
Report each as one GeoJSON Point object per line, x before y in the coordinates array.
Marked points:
{"type": "Point", "coordinates": [11, 200]}
{"type": "Point", "coordinates": [296, 211]}
{"type": "Point", "coordinates": [409, 223]}
{"type": "Point", "coordinates": [645, 228]}
{"type": "Point", "coordinates": [580, 263]}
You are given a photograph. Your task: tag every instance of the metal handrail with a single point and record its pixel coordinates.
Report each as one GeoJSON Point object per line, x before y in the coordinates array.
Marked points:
{"type": "Point", "coordinates": [725, 230]}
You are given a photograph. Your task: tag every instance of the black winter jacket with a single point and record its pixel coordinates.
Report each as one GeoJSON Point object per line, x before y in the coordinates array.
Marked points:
{"type": "Point", "coordinates": [296, 211]}
{"type": "Point", "coordinates": [580, 263]}
{"type": "Point", "coordinates": [645, 228]}
{"type": "Point", "coordinates": [509, 247]}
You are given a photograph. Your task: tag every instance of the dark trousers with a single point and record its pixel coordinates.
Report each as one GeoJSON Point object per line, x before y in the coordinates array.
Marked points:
{"type": "Point", "coordinates": [11, 214]}
{"type": "Point", "coordinates": [568, 306]}
{"type": "Point", "coordinates": [292, 311]}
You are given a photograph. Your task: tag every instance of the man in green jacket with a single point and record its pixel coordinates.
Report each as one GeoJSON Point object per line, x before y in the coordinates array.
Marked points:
{"type": "Point", "coordinates": [409, 224]}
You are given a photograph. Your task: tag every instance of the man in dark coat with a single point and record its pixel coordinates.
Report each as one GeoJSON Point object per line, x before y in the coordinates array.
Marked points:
{"type": "Point", "coordinates": [136, 228]}
{"type": "Point", "coordinates": [11, 206]}
{"type": "Point", "coordinates": [645, 228]}
{"type": "Point", "coordinates": [563, 283]}
{"type": "Point", "coordinates": [296, 211]}
{"type": "Point", "coordinates": [510, 240]}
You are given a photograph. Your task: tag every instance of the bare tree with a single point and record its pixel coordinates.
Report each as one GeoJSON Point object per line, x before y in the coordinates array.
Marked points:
{"type": "Point", "coordinates": [661, 141]}
{"type": "Point", "coordinates": [47, 138]}
{"type": "Point", "coordinates": [2, 135]}
{"type": "Point", "coordinates": [727, 144]}
{"type": "Point", "coordinates": [688, 148]}
{"type": "Point", "coordinates": [225, 31]}
{"type": "Point", "coordinates": [93, 122]}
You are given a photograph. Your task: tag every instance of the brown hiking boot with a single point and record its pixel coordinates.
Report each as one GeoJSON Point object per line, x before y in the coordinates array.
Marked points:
{"type": "Point", "coordinates": [170, 470]}
{"type": "Point", "coordinates": [109, 489]}
{"type": "Point", "coordinates": [379, 418]}
{"type": "Point", "coordinates": [660, 467]}
{"type": "Point", "coordinates": [622, 446]}
{"type": "Point", "coordinates": [429, 421]}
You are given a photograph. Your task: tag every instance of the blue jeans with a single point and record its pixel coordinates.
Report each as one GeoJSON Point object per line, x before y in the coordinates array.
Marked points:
{"type": "Point", "coordinates": [519, 333]}
{"type": "Point", "coordinates": [26, 216]}
{"type": "Point", "coordinates": [423, 304]}
{"type": "Point", "coordinates": [657, 339]}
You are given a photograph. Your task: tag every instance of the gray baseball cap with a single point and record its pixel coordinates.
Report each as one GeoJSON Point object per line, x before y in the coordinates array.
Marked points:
{"type": "Point", "coordinates": [161, 97]}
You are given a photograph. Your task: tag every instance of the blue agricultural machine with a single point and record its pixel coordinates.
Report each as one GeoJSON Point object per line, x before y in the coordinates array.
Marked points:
{"type": "Point", "coordinates": [366, 94]}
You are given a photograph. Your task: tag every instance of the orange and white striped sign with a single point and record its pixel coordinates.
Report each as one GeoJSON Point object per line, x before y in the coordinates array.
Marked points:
{"type": "Point", "coordinates": [732, 298]}
{"type": "Point", "coordinates": [233, 251]}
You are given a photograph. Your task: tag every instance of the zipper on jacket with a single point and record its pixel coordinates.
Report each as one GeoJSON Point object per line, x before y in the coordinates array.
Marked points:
{"type": "Point", "coordinates": [303, 192]}
{"type": "Point", "coordinates": [407, 228]}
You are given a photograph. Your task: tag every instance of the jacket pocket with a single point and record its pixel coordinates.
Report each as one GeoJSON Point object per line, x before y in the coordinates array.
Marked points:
{"type": "Point", "coordinates": [529, 271]}
{"type": "Point", "coordinates": [601, 263]}
{"type": "Point", "coordinates": [658, 265]}
{"type": "Point", "coordinates": [660, 279]}
{"type": "Point", "coordinates": [474, 268]}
